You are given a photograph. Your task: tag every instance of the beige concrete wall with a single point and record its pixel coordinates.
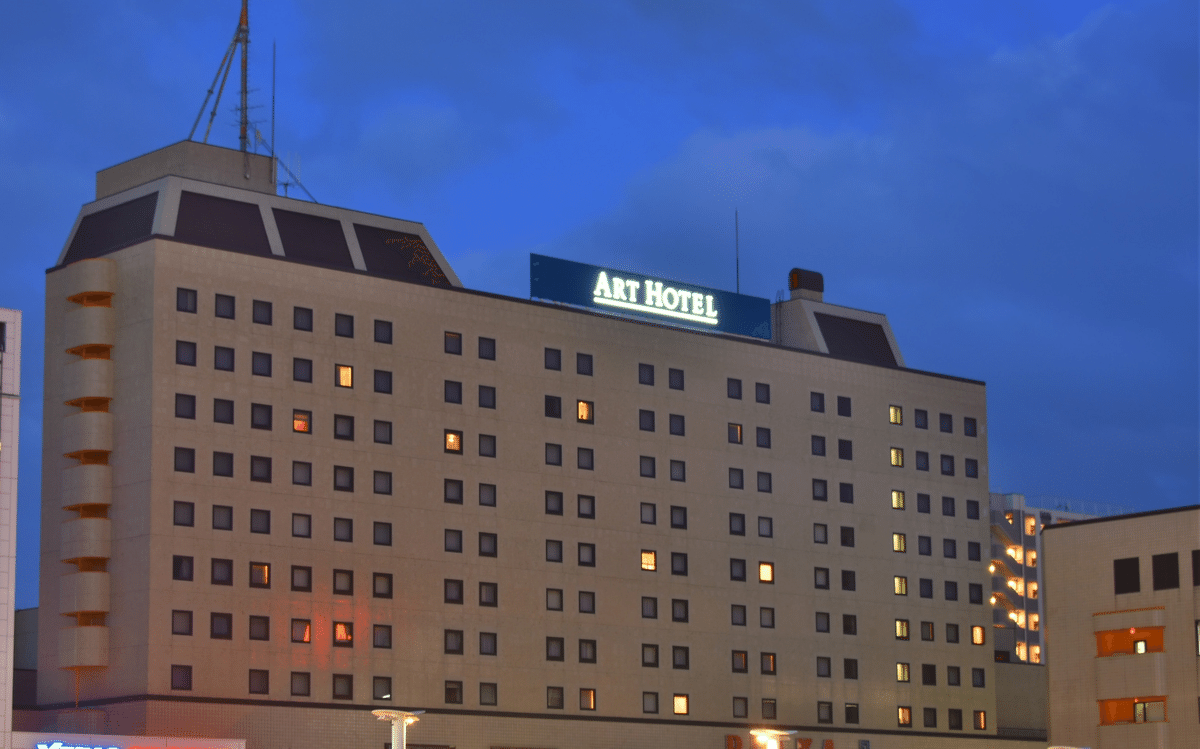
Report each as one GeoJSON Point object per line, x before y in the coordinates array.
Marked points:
{"type": "Point", "coordinates": [1022, 696]}
{"type": "Point", "coordinates": [10, 415]}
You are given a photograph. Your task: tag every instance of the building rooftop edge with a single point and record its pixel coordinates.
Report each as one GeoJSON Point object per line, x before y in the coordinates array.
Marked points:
{"type": "Point", "coordinates": [1090, 521]}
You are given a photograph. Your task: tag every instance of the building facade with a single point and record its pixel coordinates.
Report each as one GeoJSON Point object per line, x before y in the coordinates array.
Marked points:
{"type": "Point", "coordinates": [294, 471]}
{"type": "Point", "coordinates": [10, 417]}
{"type": "Point", "coordinates": [1122, 615]}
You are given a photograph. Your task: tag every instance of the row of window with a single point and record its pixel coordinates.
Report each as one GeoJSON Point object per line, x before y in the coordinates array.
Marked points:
{"type": "Point", "coordinates": [950, 589]}
{"type": "Point", "coordinates": [341, 687]}
{"type": "Point", "coordinates": [1164, 572]}
{"type": "Point", "coordinates": [263, 313]}
{"type": "Point", "coordinates": [954, 718]}
{"type": "Point", "coordinates": [261, 365]}
{"type": "Point", "coordinates": [929, 675]}
{"type": "Point", "coordinates": [260, 522]}
{"type": "Point", "coordinates": [260, 469]}
{"type": "Point", "coordinates": [183, 568]}
{"type": "Point", "coordinates": [341, 634]}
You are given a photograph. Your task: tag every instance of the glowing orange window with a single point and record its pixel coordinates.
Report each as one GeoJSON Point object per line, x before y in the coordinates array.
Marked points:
{"type": "Point", "coordinates": [343, 634]}
{"type": "Point", "coordinates": [1131, 641]}
{"type": "Point", "coordinates": [302, 421]}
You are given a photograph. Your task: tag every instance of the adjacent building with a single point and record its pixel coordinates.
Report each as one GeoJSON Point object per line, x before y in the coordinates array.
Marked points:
{"type": "Point", "coordinates": [294, 471]}
{"type": "Point", "coordinates": [1122, 616]}
{"type": "Point", "coordinates": [10, 417]}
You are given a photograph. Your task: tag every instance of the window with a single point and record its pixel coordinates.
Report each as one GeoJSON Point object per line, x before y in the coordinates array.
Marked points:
{"type": "Point", "coordinates": [679, 704]}
{"type": "Point", "coordinates": [223, 358]}
{"type": "Point", "coordinates": [678, 517]}
{"type": "Point", "coordinates": [947, 465]}
{"type": "Point", "coordinates": [974, 551]}
{"type": "Point", "coordinates": [649, 607]}
{"type": "Point", "coordinates": [822, 621]}
{"type": "Point", "coordinates": [302, 526]}
{"type": "Point", "coordinates": [923, 503]}
{"type": "Point", "coordinates": [343, 478]}
{"type": "Point", "coordinates": [852, 712]}
{"type": "Point", "coordinates": [585, 459]}
{"type": "Point", "coordinates": [820, 490]}
{"type": "Point", "coordinates": [554, 503]}
{"type": "Point", "coordinates": [849, 624]}
{"type": "Point", "coordinates": [676, 422]}
{"type": "Point", "coordinates": [302, 370]}
{"type": "Point", "coordinates": [951, 590]}
{"type": "Point", "coordinates": [555, 648]}
{"type": "Point", "coordinates": [1165, 571]}
{"type": "Point", "coordinates": [953, 676]}
{"type": "Point", "coordinates": [679, 563]}
{"type": "Point", "coordinates": [971, 468]}
{"type": "Point", "coordinates": [741, 707]}
{"type": "Point", "coordinates": [845, 450]}
{"type": "Point", "coordinates": [897, 457]}
{"type": "Point", "coordinates": [453, 440]}
{"type": "Point", "coordinates": [650, 702]}
{"type": "Point", "coordinates": [260, 628]}
{"type": "Point", "coordinates": [766, 617]}
{"type": "Point", "coordinates": [587, 602]}
{"type": "Point", "coordinates": [948, 506]}
{"type": "Point", "coordinates": [343, 376]}
{"type": "Point", "coordinates": [930, 717]}
{"type": "Point", "coordinates": [381, 687]}
{"type": "Point", "coordinates": [224, 306]}
{"type": "Point", "coordinates": [301, 683]}
{"type": "Point", "coordinates": [489, 594]}
{"type": "Point", "coordinates": [383, 381]}
{"type": "Point", "coordinates": [583, 364]}
{"type": "Point", "coordinates": [764, 482]}
{"type": "Point", "coordinates": [926, 587]}
{"type": "Point", "coordinates": [949, 548]}
{"type": "Point", "coordinates": [181, 622]}
{"type": "Point", "coordinates": [302, 579]}
{"type": "Point", "coordinates": [762, 392]}
{"type": "Point", "coordinates": [847, 536]}
{"type": "Point", "coordinates": [735, 478]}
{"type": "Point", "coordinates": [902, 674]}
{"type": "Point", "coordinates": [1126, 577]}
{"type": "Point", "coordinates": [587, 698]}
{"type": "Point", "coordinates": [260, 364]}
{"type": "Point", "coordinates": [970, 427]}
{"type": "Point", "coordinates": [260, 468]}
{"type": "Point", "coordinates": [452, 391]}
{"type": "Point", "coordinates": [678, 470]}
{"type": "Point", "coordinates": [895, 415]}
{"type": "Point", "coordinates": [185, 513]}
{"type": "Point", "coordinates": [927, 632]}
{"type": "Point", "coordinates": [680, 657]}
{"type": "Point", "coordinates": [487, 348]}
{"type": "Point", "coordinates": [820, 533]}
{"type": "Point", "coordinates": [821, 578]}
{"type": "Point", "coordinates": [185, 300]}
{"type": "Point", "coordinates": [977, 678]}
{"type": "Point", "coordinates": [766, 527]}
{"type": "Point", "coordinates": [487, 445]}
{"type": "Point", "coordinates": [553, 407]}
{"type": "Point", "coordinates": [737, 524]}
{"type": "Point", "coordinates": [679, 610]}
{"type": "Point", "coordinates": [900, 585]}
{"type": "Point", "coordinates": [222, 518]}
{"type": "Point", "coordinates": [222, 572]}
{"type": "Point", "coordinates": [925, 546]}
{"type": "Point", "coordinates": [646, 466]}
{"type": "Point", "coordinates": [554, 599]}
{"type": "Point", "coordinates": [843, 406]}
{"type": "Point", "coordinates": [383, 331]}
{"type": "Point", "coordinates": [899, 543]}
{"type": "Point", "coordinates": [977, 635]}
{"type": "Point", "coordinates": [980, 717]}
{"type": "Point", "coordinates": [554, 551]}
{"type": "Point", "coordinates": [452, 640]}
{"type": "Point", "coordinates": [185, 460]}
{"type": "Point", "coordinates": [768, 708]}
{"type": "Point", "coordinates": [737, 615]}
{"type": "Point", "coordinates": [487, 495]}
{"type": "Point", "coordinates": [452, 343]}
{"type": "Point", "coordinates": [260, 575]}
{"type": "Point", "coordinates": [824, 667]}
{"type": "Point", "coordinates": [824, 712]}
{"type": "Point", "coordinates": [553, 454]}
{"type": "Point", "coordinates": [454, 692]}
{"type": "Point", "coordinates": [260, 521]}
{"type": "Point", "coordinates": [922, 460]}
{"type": "Point", "coordinates": [487, 396]}
{"type": "Point", "coordinates": [182, 568]}
{"type": "Point", "coordinates": [487, 545]}
{"type": "Point", "coordinates": [302, 318]}
{"type": "Point", "coordinates": [901, 629]}
{"type": "Point", "coordinates": [952, 633]}
{"type": "Point", "coordinates": [954, 719]}
{"type": "Point", "coordinates": [382, 636]}
{"type": "Point", "coordinates": [554, 698]}
{"type": "Point", "coordinates": [646, 374]}
{"type": "Point", "coordinates": [972, 509]}
{"type": "Point", "coordinates": [185, 406]}
{"type": "Point", "coordinates": [181, 677]}
{"type": "Point", "coordinates": [818, 445]}
{"type": "Point", "coordinates": [737, 569]}
{"type": "Point", "coordinates": [735, 434]}
{"type": "Point", "coordinates": [763, 437]}
{"type": "Point", "coordinates": [733, 388]}
{"type": "Point", "coordinates": [381, 585]}
{"type": "Point", "coordinates": [553, 359]}
{"type": "Point", "coordinates": [487, 643]}
{"type": "Point", "coordinates": [220, 626]}
{"type": "Point", "coordinates": [587, 555]}
{"type": "Point", "coordinates": [767, 663]}
{"type": "Point", "coordinates": [649, 513]}
{"type": "Point", "coordinates": [343, 582]}
{"type": "Point", "coordinates": [222, 464]}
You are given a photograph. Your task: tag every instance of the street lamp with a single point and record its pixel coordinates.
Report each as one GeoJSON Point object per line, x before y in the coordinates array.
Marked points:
{"type": "Point", "coordinates": [771, 738]}
{"type": "Point", "coordinates": [400, 720]}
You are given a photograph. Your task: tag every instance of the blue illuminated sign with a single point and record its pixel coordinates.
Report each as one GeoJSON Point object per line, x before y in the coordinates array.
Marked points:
{"type": "Point", "coordinates": [652, 298]}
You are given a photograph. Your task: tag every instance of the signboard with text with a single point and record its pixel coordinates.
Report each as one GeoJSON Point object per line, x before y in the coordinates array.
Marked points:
{"type": "Point", "coordinates": [657, 299]}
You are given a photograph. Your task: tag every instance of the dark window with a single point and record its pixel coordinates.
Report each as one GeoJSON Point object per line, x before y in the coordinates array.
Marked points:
{"type": "Point", "coordinates": [735, 478]}
{"type": "Point", "coordinates": [925, 546]}
{"type": "Point", "coordinates": [977, 677]}
{"type": "Point", "coordinates": [383, 381]}
{"type": "Point", "coordinates": [846, 493]}
{"type": "Point", "coordinates": [646, 466]}
{"type": "Point", "coordinates": [923, 503]}
{"type": "Point", "coordinates": [678, 470]}
{"type": "Point", "coordinates": [645, 420]}
{"type": "Point", "coordinates": [452, 391]}
{"type": "Point", "coordinates": [583, 364]}
{"type": "Point", "coordinates": [735, 434]}
{"type": "Point", "coordinates": [222, 464]}
{"type": "Point", "coordinates": [383, 331]}
{"type": "Point", "coordinates": [223, 358]}
{"type": "Point", "coordinates": [951, 590]}
{"type": "Point", "coordinates": [677, 425]}
{"type": "Point", "coordinates": [185, 513]}
{"type": "Point", "coordinates": [302, 318]}
{"type": "Point", "coordinates": [222, 411]}
{"type": "Point", "coordinates": [185, 460]}
{"type": "Point", "coordinates": [487, 348]}
{"type": "Point", "coordinates": [922, 460]}
{"type": "Point", "coordinates": [679, 610]}
{"type": "Point", "coordinates": [974, 551]}
{"type": "Point", "coordinates": [381, 585]}
{"type": "Point", "coordinates": [975, 593]}
{"type": "Point", "coordinates": [847, 536]}
{"type": "Point", "coordinates": [185, 300]}
{"type": "Point", "coordinates": [586, 505]}
{"type": "Point", "coordinates": [763, 437]}
{"type": "Point", "coordinates": [224, 306]}
{"type": "Point", "coordinates": [843, 404]}
{"type": "Point", "coordinates": [487, 396]}
{"type": "Point", "coordinates": [818, 445]}
{"type": "Point", "coordinates": [845, 449]}
{"type": "Point", "coordinates": [301, 525]}
{"type": "Point", "coordinates": [222, 572]}
{"type": "Point", "coordinates": [260, 521]}
{"type": "Point", "coordinates": [302, 370]}
{"type": "Point", "coordinates": [762, 392]}
{"type": "Point", "coordinates": [848, 580]}
{"type": "Point", "coordinates": [302, 580]}
{"type": "Point", "coordinates": [971, 468]}
{"type": "Point", "coordinates": [733, 388]}
{"type": "Point", "coordinates": [766, 527]}
{"type": "Point", "coordinates": [343, 529]}
{"type": "Point", "coordinates": [452, 343]}
{"type": "Point", "coordinates": [946, 423]}
{"type": "Point", "coordinates": [737, 569]}
{"type": "Point", "coordinates": [822, 621]}
{"type": "Point", "coordinates": [260, 416]}
{"type": "Point", "coordinates": [926, 587]}
{"type": "Point", "coordinates": [679, 563]}
{"type": "Point", "coordinates": [383, 482]}
{"type": "Point", "coordinates": [681, 657]}
{"type": "Point", "coordinates": [764, 482]}
{"type": "Point", "coordinates": [675, 379]}
{"type": "Point", "coordinates": [554, 503]}
{"type": "Point", "coordinates": [185, 353]}
{"type": "Point", "coordinates": [383, 432]}
{"type": "Point", "coordinates": [646, 374]}
{"type": "Point", "coordinates": [947, 465]}
{"type": "Point", "coordinates": [488, 544]}
{"type": "Point", "coordinates": [487, 445]}
{"type": "Point", "coordinates": [220, 626]}
{"type": "Point", "coordinates": [954, 719]}
{"type": "Point", "coordinates": [260, 364]}
{"type": "Point", "coordinates": [181, 677]}
{"type": "Point", "coordinates": [930, 715]}
{"type": "Point", "coordinates": [850, 668]}
{"type": "Point", "coordinates": [948, 506]}
{"type": "Point", "coordinates": [678, 517]}
{"type": "Point", "coordinates": [343, 686]}
{"type": "Point", "coordinates": [972, 509]}
{"type": "Point", "coordinates": [824, 712]}
{"type": "Point", "coordinates": [182, 568]}
{"type": "Point", "coordinates": [553, 359]}
{"type": "Point", "coordinates": [949, 548]}
{"type": "Point", "coordinates": [181, 622]}
{"type": "Point", "coordinates": [816, 402]}
{"type": "Point", "coordinates": [1165, 571]}
{"type": "Point", "coordinates": [737, 524]}
{"type": "Point", "coordinates": [553, 407]}
{"type": "Point", "coordinates": [301, 473]}
{"type": "Point", "coordinates": [222, 518]}
{"type": "Point", "coordinates": [821, 578]}
{"type": "Point", "coordinates": [1196, 567]}
{"type": "Point", "coordinates": [343, 478]}
{"type": "Point", "coordinates": [260, 628]}
{"type": "Point", "coordinates": [849, 624]}
{"type": "Point", "coordinates": [820, 490]}
{"type": "Point", "coordinates": [969, 426]}
{"type": "Point", "coordinates": [185, 406]}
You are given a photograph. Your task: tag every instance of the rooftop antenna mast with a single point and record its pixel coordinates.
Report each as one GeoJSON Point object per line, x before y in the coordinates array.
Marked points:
{"type": "Point", "coordinates": [737, 254]}
{"type": "Point", "coordinates": [241, 35]}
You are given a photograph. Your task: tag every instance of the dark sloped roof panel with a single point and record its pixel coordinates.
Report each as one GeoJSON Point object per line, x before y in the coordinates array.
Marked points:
{"type": "Point", "coordinates": [113, 228]}
{"type": "Point", "coordinates": [394, 254]}
{"type": "Point", "coordinates": [222, 224]}
{"type": "Point", "coordinates": [313, 239]}
{"type": "Point", "coordinates": [856, 340]}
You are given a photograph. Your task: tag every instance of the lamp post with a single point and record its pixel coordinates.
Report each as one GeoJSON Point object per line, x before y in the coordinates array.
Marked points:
{"type": "Point", "coordinates": [771, 738]}
{"type": "Point", "coordinates": [400, 720]}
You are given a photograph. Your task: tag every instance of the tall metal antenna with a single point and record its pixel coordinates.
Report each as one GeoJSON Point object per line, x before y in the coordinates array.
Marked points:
{"type": "Point", "coordinates": [241, 35]}
{"type": "Point", "coordinates": [244, 37]}
{"type": "Point", "coordinates": [273, 171]}
{"type": "Point", "coordinates": [737, 254]}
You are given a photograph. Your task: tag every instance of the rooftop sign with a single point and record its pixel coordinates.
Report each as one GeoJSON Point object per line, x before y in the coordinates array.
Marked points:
{"type": "Point", "coordinates": [651, 298]}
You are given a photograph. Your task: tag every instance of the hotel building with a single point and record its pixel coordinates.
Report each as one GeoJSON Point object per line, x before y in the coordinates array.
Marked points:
{"type": "Point", "coordinates": [10, 416]}
{"type": "Point", "coordinates": [294, 471]}
{"type": "Point", "coordinates": [1122, 615]}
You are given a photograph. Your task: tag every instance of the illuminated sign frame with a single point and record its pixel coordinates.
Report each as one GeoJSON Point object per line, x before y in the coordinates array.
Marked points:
{"type": "Point", "coordinates": [651, 298]}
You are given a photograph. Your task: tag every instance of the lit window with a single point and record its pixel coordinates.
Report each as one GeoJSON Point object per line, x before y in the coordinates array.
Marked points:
{"type": "Point", "coordinates": [1030, 558]}
{"type": "Point", "coordinates": [302, 421]}
{"type": "Point", "coordinates": [453, 441]}
{"type": "Point", "coordinates": [301, 630]}
{"type": "Point", "coordinates": [897, 499]}
{"type": "Point", "coordinates": [735, 434]}
{"type": "Point", "coordinates": [766, 572]}
{"type": "Point", "coordinates": [260, 575]}
{"type": "Point", "coordinates": [345, 376]}
{"type": "Point", "coordinates": [977, 636]}
{"type": "Point", "coordinates": [896, 414]}
{"type": "Point", "coordinates": [904, 716]}
{"type": "Point", "coordinates": [680, 704]}
{"type": "Point", "coordinates": [649, 560]}
{"type": "Point", "coordinates": [584, 412]}
{"type": "Point", "coordinates": [902, 629]}
{"type": "Point", "coordinates": [1023, 655]}
{"type": "Point", "coordinates": [901, 585]}
{"type": "Point", "coordinates": [1033, 590]}
{"type": "Point", "coordinates": [899, 543]}
{"type": "Point", "coordinates": [980, 720]}
{"type": "Point", "coordinates": [1035, 653]}
{"type": "Point", "coordinates": [902, 672]}
{"type": "Point", "coordinates": [587, 699]}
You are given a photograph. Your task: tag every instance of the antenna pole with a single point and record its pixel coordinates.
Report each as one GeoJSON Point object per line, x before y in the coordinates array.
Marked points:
{"type": "Point", "coordinates": [273, 171]}
{"type": "Point", "coordinates": [244, 38]}
{"type": "Point", "coordinates": [737, 255]}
